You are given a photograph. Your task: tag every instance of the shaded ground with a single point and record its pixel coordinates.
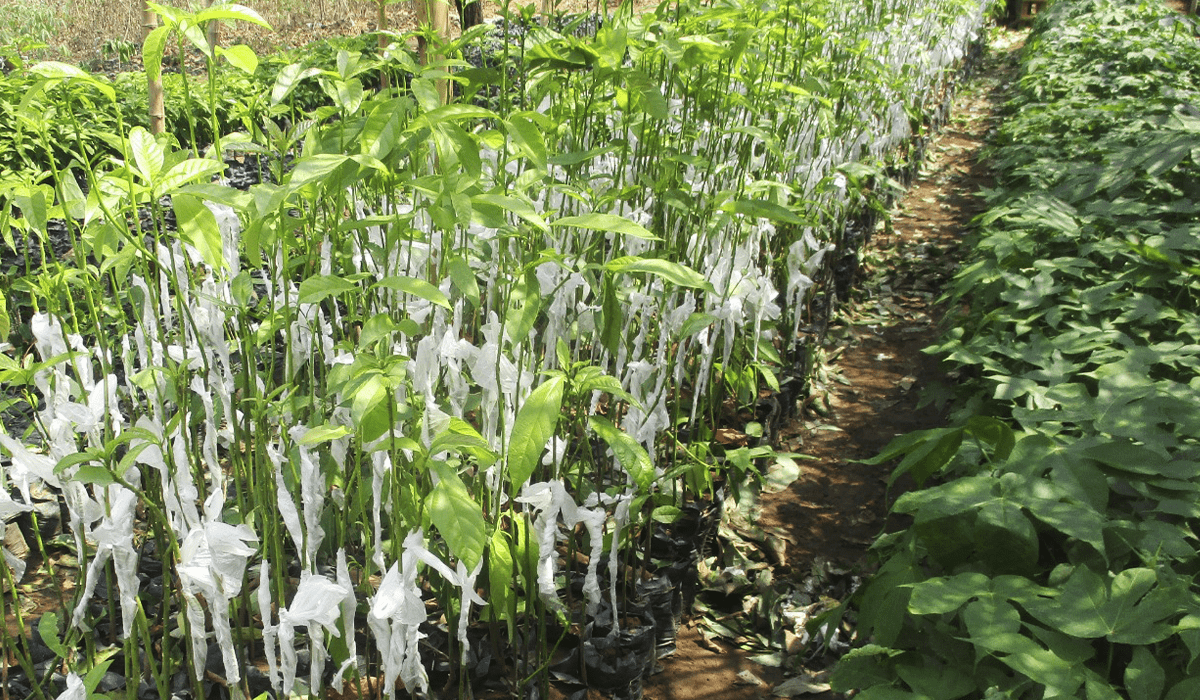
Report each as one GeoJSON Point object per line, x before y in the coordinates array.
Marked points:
{"type": "Point", "coordinates": [828, 517]}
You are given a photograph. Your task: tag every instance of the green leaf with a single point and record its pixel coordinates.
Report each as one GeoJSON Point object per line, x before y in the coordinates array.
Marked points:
{"type": "Point", "coordinates": [612, 316]}
{"type": "Point", "coordinates": [1126, 456]}
{"type": "Point", "coordinates": [990, 615]}
{"type": "Point", "coordinates": [647, 94]}
{"type": "Point", "coordinates": [48, 629]}
{"type": "Point", "coordinates": [517, 206]}
{"type": "Point", "coordinates": [1186, 689]}
{"type": "Point", "coordinates": [695, 323]}
{"type": "Point", "coordinates": [195, 35]}
{"type": "Point", "coordinates": [231, 12]}
{"type": "Point", "coordinates": [186, 172]}
{"type": "Point", "coordinates": [1037, 663]}
{"type": "Point", "coordinates": [368, 409]}
{"type": "Point", "coordinates": [318, 167]}
{"type": "Point", "coordinates": [666, 514]}
{"type": "Point", "coordinates": [198, 227]}
{"type": "Point", "coordinates": [941, 595]}
{"type": "Point", "coordinates": [533, 428]}
{"type": "Point", "coordinates": [528, 138]}
{"type": "Point", "coordinates": [1089, 606]}
{"type": "Point", "coordinates": [93, 474]}
{"type": "Point", "coordinates": [868, 667]}
{"type": "Point", "coordinates": [1077, 520]}
{"type": "Point", "coordinates": [458, 518]}
{"type": "Point", "coordinates": [461, 436]}
{"type": "Point", "coordinates": [673, 272]}
{"type": "Point", "coordinates": [925, 452]}
{"type": "Point", "coordinates": [416, 287]}
{"type": "Point", "coordinates": [317, 288]}
{"type": "Point", "coordinates": [500, 577]}
{"type": "Point", "coordinates": [629, 453]}
{"type": "Point", "coordinates": [450, 113]}
{"type": "Point", "coordinates": [241, 57]}
{"type": "Point", "coordinates": [524, 305]}
{"type": "Point", "coordinates": [381, 131]}
{"type": "Point", "coordinates": [54, 70]}
{"type": "Point", "coordinates": [5, 320]}
{"type": "Point", "coordinates": [760, 209]}
{"type": "Point", "coordinates": [289, 79]}
{"type": "Point", "coordinates": [463, 278]}
{"type": "Point", "coordinates": [347, 95]}
{"type": "Point", "coordinates": [152, 52]}
{"type": "Point", "coordinates": [147, 154]}
{"type": "Point", "coordinates": [994, 432]}
{"type": "Point", "coordinates": [1144, 678]}
{"type": "Point", "coordinates": [323, 433]}
{"type": "Point", "coordinates": [94, 675]}
{"type": "Point", "coordinates": [1005, 539]}
{"type": "Point", "coordinates": [609, 223]}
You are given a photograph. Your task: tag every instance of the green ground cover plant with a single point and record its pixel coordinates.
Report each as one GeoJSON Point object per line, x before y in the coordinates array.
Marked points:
{"type": "Point", "coordinates": [1052, 551]}
{"type": "Point", "coordinates": [442, 375]}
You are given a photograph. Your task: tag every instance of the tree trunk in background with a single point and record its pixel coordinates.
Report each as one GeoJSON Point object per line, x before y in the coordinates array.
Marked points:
{"type": "Point", "coordinates": [154, 88]}
{"type": "Point", "coordinates": [470, 13]}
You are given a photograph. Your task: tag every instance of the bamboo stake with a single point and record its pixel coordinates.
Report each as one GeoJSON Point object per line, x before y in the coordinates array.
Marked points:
{"type": "Point", "coordinates": [154, 88]}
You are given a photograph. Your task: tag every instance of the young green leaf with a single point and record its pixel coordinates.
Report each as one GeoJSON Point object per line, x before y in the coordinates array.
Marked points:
{"type": "Point", "coordinates": [48, 629]}
{"type": "Point", "coordinates": [317, 288]}
{"type": "Point", "coordinates": [458, 517]}
{"type": "Point", "coordinates": [147, 154]}
{"type": "Point", "coordinates": [524, 305]}
{"type": "Point", "coordinates": [198, 227]}
{"type": "Point", "coordinates": [629, 453]}
{"type": "Point", "coordinates": [533, 428]}
{"type": "Point", "coordinates": [609, 223]}
{"type": "Point", "coordinates": [670, 271]}
{"type": "Point", "coordinates": [416, 287]}
{"type": "Point", "coordinates": [241, 57]}
{"type": "Point", "coordinates": [152, 51]}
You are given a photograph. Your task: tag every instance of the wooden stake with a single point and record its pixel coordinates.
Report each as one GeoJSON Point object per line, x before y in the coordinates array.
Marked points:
{"type": "Point", "coordinates": [385, 80]}
{"type": "Point", "coordinates": [154, 88]}
{"type": "Point", "coordinates": [436, 14]}
{"type": "Point", "coordinates": [213, 30]}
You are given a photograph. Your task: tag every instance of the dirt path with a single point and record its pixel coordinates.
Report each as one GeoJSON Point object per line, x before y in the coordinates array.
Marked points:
{"type": "Point", "coordinates": [828, 517]}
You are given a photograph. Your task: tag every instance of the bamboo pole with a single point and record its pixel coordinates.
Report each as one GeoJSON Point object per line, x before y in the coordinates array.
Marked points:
{"type": "Point", "coordinates": [154, 88]}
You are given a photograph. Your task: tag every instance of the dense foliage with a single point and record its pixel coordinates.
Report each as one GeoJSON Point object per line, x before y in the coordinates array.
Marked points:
{"type": "Point", "coordinates": [443, 348]}
{"type": "Point", "coordinates": [1054, 554]}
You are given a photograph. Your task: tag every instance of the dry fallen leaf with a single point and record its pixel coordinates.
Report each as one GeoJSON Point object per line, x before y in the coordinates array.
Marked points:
{"type": "Point", "coordinates": [729, 436]}
{"type": "Point", "coordinates": [801, 685]}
